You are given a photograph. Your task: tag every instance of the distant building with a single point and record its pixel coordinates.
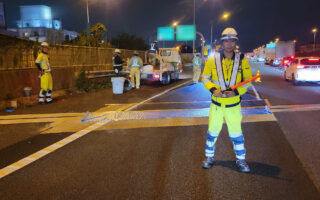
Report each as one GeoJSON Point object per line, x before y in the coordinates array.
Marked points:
{"type": "Point", "coordinates": [36, 23]}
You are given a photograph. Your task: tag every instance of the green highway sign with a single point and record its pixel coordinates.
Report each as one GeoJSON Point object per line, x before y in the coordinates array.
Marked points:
{"type": "Point", "coordinates": [166, 33]}
{"type": "Point", "coordinates": [186, 32]}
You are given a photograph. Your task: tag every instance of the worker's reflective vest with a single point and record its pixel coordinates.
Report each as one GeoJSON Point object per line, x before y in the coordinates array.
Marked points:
{"type": "Point", "coordinates": [117, 61]}
{"type": "Point", "coordinates": [222, 73]}
{"type": "Point", "coordinates": [135, 61]}
{"type": "Point", "coordinates": [43, 60]}
{"type": "Point", "coordinates": [196, 61]}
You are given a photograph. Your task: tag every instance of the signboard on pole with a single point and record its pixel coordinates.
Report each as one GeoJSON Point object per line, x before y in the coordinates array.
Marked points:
{"type": "Point", "coordinates": [186, 32]}
{"type": "Point", "coordinates": [166, 33]}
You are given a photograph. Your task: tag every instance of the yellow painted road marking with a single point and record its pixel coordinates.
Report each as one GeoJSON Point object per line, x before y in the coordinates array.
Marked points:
{"type": "Point", "coordinates": [33, 157]}
{"type": "Point", "coordinates": [177, 122]}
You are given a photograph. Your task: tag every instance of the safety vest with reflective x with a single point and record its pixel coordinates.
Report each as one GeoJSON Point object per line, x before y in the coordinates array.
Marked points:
{"type": "Point", "coordinates": [222, 73]}
{"type": "Point", "coordinates": [43, 60]}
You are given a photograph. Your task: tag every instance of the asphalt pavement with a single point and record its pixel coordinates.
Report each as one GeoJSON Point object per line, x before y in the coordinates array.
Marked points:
{"type": "Point", "coordinates": [159, 158]}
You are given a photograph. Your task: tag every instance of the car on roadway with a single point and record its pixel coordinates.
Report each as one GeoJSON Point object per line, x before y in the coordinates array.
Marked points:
{"type": "Point", "coordinates": [268, 61]}
{"type": "Point", "coordinates": [286, 61]}
{"type": "Point", "coordinates": [303, 69]}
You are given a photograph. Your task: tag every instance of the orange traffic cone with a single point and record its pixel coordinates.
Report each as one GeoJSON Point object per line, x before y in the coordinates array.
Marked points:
{"type": "Point", "coordinates": [258, 79]}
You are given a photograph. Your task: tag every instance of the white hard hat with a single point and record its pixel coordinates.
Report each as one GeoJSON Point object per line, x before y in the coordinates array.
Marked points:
{"type": "Point", "coordinates": [117, 51]}
{"type": "Point", "coordinates": [229, 33]}
{"type": "Point", "coordinates": [44, 44]}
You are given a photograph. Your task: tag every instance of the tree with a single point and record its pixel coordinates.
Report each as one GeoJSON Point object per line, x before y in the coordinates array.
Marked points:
{"type": "Point", "coordinates": [127, 41]}
{"type": "Point", "coordinates": [96, 33]}
{"type": "Point", "coordinates": [81, 40]}
{"type": "Point", "coordinates": [95, 40]}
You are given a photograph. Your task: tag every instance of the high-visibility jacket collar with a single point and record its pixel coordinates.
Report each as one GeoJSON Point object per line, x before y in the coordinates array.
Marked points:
{"type": "Point", "coordinates": [221, 75]}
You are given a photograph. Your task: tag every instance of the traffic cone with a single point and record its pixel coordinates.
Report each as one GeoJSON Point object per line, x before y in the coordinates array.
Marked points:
{"type": "Point", "coordinates": [258, 79]}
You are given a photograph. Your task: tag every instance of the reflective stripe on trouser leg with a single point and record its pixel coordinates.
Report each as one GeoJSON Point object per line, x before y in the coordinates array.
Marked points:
{"type": "Point", "coordinates": [48, 96]}
{"type": "Point", "coordinates": [210, 144]}
{"type": "Point", "coordinates": [233, 118]}
{"type": "Point", "coordinates": [42, 95]}
{"type": "Point", "coordinates": [215, 126]}
{"type": "Point", "coordinates": [196, 74]}
{"type": "Point", "coordinates": [238, 146]}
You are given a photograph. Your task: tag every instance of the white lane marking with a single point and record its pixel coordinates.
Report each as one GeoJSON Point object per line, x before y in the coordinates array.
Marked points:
{"type": "Point", "coordinates": [255, 92]}
{"type": "Point", "coordinates": [43, 152]}
{"type": "Point", "coordinates": [162, 93]}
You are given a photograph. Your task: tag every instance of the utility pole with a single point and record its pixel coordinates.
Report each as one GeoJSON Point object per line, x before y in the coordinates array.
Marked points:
{"type": "Point", "coordinates": [194, 21]}
{"type": "Point", "coordinates": [88, 23]}
{"type": "Point", "coordinates": [314, 31]}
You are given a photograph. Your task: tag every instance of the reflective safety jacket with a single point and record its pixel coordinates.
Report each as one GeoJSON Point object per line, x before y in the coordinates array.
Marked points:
{"type": "Point", "coordinates": [196, 62]}
{"type": "Point", "coordinates": [213, 79]}
{"type": "Point", "coordinates": [43, 61]}
{"type": "Point", "coordinates": [135, 61]}
{"type": "Point", "coordinates": [117, 61]}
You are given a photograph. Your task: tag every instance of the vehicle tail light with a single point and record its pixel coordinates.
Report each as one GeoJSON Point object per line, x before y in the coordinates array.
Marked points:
{"type": "Point", "coordinates": [292, 57]}
{"type": "Point", "coordinates": [300, 67]}
{"type": "Point", "coordinates": [286, 61]}
{"type": "Point", "coordinates": [156, 76]}
{"type": "Point", "coordinates": [313, 59]}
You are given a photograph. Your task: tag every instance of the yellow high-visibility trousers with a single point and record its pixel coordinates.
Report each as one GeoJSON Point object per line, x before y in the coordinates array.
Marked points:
{"type": "Point", "coordinates": [196, 74]}
{"type": "Point", "coordinates": [135, 76]}
{"type": "Point", "coordinates": [233, 117]}
{"type": "Point", "coordinates": [46, 82]}
{"type": "Point", "coordinates": [46, 87]}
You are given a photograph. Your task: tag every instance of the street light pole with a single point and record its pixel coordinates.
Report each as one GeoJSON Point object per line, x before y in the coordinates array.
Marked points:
{"type": "Point", "coordinates": [211, 34]}
{"type": "Point", "coordinates": [194, 21]}
{"type": "Point", "coordinates": [88, 23]}
{"type": "Point", "coordinates": [314, 38]}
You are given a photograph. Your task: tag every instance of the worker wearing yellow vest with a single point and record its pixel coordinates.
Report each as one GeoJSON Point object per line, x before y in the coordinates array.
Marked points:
{"type": "Point", "coordinates": [221, 72]}
{"type": "Point", "coordinates": [197, 62]}
{"type": "Point", "coordinates": [135, 63]}
{"type": "Point", "coordinates": [42, 62]}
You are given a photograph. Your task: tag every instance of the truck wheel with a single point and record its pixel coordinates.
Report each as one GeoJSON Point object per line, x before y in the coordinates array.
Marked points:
{"type": "Point", "coordinates": [177, 76]}
{"type": "Point", "coordinates": [166, 78]}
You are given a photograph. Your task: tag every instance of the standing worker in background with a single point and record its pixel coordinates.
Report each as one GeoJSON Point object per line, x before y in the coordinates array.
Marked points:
{"type": "Point", "coordinates": [135, 63]}
{"type": "Point", "coordinates": [221, 72]}
{"type": "Point", "coordinates": [154, 49]}
{"type": "Point", "coordinates": [42, 62]}
{"type": "Point", "coordinates": [197, 62]}
{"type": "Point", "coordinates": [117, 62]}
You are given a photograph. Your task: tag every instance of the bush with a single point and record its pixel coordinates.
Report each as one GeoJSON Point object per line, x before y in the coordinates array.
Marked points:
{"type": "Point", "coordinates": [86, 85]}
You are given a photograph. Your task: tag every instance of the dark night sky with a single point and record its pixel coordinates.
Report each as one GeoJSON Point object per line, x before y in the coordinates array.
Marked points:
{"type": "Point", "coordinates": [257, 21]}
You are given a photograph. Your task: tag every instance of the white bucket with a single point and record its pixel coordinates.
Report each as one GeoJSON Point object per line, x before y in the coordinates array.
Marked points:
{"type": "Point", "coordinates": [117, 85]}
{"type": "Point", "coordinates": [27, 91]}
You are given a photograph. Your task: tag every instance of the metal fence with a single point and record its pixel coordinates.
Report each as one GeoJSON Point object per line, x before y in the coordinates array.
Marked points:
{"type": "Point", "coordinates": [14, 58]}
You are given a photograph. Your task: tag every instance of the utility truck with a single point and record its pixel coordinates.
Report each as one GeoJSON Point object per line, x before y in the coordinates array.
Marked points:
{"type": "Point", "coordinates": [167, 67]}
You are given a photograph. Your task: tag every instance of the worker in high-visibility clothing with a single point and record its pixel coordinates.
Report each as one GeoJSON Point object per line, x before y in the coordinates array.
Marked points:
{"type": "Point", "coordinates": [42, 62]}
{"type": "Point", "coordinates": [197, 62]}
{"type": "Point", "coordinates": [135, 63]}
{"type": "Point", "coordinates": [221, 72]}
{"type": "Point", "coordinates": [117, 62]}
